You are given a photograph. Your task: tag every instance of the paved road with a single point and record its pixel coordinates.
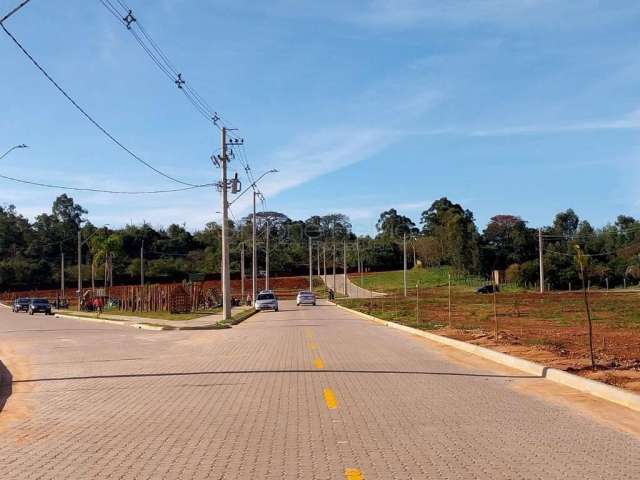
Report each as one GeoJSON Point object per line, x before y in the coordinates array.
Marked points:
{"type": "Point", "coordinates": [353, 290]}
{"type": "Point", "coordinates": [310, 393]}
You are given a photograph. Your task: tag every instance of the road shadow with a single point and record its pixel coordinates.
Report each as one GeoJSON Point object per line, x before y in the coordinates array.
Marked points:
{"type": "Point", "coordinates": [6, 382]}
{"type": "Point", "coordinates": [258, 372]}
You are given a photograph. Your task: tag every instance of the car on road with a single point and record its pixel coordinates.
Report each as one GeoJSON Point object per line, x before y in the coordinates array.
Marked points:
{"type": "Point", "coordinates": [488, 289]}
{"type": "Point", "coordinates": [305, 297]}
{"type": "Point", "coordinates": [266, 300]}
{"type": "Point", "coordinates": [21, 305]}
{"type": "Point", "coordinates": [39, 305]}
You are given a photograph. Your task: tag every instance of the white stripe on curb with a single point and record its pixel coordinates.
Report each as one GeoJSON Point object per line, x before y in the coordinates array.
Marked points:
{"type": "Point", "coordinates": [597, 389]}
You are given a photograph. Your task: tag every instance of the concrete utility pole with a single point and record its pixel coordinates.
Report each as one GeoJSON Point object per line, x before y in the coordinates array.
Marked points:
{"type": "Point", "coordinates": [62, 274]}
{"type": "Point", "coordinates": [226, 276]}
{"type": "Point", "coordinates": [404, 263]}
{"type": "Point", "coordinates": [79, 266]}
{"type": "Point", "coordinates": [540, 260]}
{"type": "Point", "coordinates": [334, 262]}
{"type": "Point", "coordinates": [266, 277]}
{"type": "Point", "coordinates": [359, 262]}
{"type": "Point", "coordinates": [310, 265]}
{"type": "Point", "coordinates": [324, 262]}
{"type": "Point", "coordinates": [242, 272]}
{"type": "Point", "coordinates": [344, 267]}
{"type": "Point", "coordinates": [142, 264]}
{"type": "Point", "coordinates": [254, 253]}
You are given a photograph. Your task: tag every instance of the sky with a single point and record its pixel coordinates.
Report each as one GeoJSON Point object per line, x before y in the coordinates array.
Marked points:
{"type": "Point", "coordinates": [523, 107]}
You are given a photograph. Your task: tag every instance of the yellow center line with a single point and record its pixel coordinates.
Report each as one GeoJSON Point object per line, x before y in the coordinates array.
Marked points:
{"type": "Point", "coordinates": [313, 345]}
{"type": "Point", "coordinates": [353, 474]}
{"type": "Point", "coordinates": [318, 363]}
{"type": "Point", "coordinates": [330, 399]}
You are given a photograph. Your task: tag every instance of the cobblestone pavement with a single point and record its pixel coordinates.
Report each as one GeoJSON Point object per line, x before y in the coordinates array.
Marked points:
{"type": "Point", "coordinates": [306, 393]}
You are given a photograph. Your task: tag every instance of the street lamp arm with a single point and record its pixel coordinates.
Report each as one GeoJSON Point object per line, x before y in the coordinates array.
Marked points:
{"type": "Point", "coordinates": [89, 237]}
{"type": "Point", "coordinates": [12, 149]}
{"type": "Point", "coordinates": [253, 185]}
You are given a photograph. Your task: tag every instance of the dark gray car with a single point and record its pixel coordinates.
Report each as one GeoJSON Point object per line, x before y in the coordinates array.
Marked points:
{"type": "Point", "coordinates": [39, 305]}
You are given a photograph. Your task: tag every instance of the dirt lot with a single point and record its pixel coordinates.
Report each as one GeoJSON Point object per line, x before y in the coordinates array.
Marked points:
{"type": "Point", "coordinates": [547, 328]}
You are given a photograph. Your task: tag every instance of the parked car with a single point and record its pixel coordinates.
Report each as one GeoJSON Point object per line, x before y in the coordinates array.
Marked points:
{"type": "Point", "coordinates": [305, 297]}
{"type": "Point", "coordinates": [21, 305]}
{"type": "Point", "coordinates": [266, 300]}
{"type": "Point", "coordinates": [488, 289]}
{"type": "Point", "coordinates": [39, 305]}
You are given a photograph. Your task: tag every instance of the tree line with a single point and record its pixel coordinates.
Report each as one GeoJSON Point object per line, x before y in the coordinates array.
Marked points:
{"type": "Point", "coordinates": [31, 252]}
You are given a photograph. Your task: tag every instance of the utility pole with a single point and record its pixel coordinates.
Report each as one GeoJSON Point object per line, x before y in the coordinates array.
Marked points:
{"type": "Point", "coordinates": [254, 253]}
{"type": "Point", "coordinates": [242, 272]}
{"type": "Point", "coordinates": [62, 274]}
{"type": "Point", "coordinates": [79, 266]}
{"type": "Point", "coordinates": [359, 263]}
{"type": "Point", "coordinates": [334, 260]}
{"type": "Point", "coordinates": [226, 276]}
{"type": "Point", "coordinates": [310, 265]}
{"type": "Point", "coordinates": [404, 263]}
{"type": "Point", "coordinates": [142, 264]}
{"type": "Point", "coordinates": [344, 267]}
{"type": "Point", "coordinates": [540, 260]}
{"type": "Point", "coordinates": [324, 261]}
{"type": "Point", "coordinates": [319, 273]}
{"type": "Point", "coordinates": [266, 277]}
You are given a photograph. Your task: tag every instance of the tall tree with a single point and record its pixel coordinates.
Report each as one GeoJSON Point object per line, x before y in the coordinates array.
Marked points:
{"type": "Point", "coordinates": [455, 231]}
{"type": "Point", "coordinates": [393, 225]}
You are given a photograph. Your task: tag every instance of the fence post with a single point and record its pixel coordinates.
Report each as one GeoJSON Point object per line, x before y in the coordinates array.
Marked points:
{"type": "Point", "coordinates": [449, 299]}
{"type": "Point", "coordinates": [417, 303]}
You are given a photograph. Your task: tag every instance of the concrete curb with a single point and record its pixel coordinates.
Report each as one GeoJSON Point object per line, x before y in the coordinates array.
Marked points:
{"type": "Point", "coordinates": [90, 319]}
{"type": "Point", "coordinates": [585, 385]}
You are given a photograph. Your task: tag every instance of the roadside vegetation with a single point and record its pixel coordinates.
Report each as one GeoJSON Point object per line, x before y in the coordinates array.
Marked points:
{"type": "Point", "coordinates": [550, 328]}
{"type": "Point", "coordinates": [446, 235]}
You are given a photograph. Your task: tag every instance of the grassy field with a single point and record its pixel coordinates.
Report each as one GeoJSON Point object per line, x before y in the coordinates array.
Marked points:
{"type": "Point", "coordinates": [549, 327]}
{"type": "Point", "coordinates": [425, 277]}
{"type": "Point", "coordinates": [150, 315]}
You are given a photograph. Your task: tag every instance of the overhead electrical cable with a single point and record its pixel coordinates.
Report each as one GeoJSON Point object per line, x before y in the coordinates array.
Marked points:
{"type": "Point", "coordinates": [100, 190]}
{"type": "Point", "coordinates": [89, 117]}
{"type": "Point", "coordinates": [124, 15]}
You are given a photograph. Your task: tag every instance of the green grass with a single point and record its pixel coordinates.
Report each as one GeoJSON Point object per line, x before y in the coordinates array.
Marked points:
{"type": "Point", "coordinates": [426, 277]}
{"type": "Point", "coordinates": [151, 315]}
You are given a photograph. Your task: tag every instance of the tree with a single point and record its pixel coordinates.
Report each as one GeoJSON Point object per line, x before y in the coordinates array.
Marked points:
{"type": "Point", "coordinates": [505, 241]}
{"type": "Point", "coordinates": [566, 223]}
{"type": "Point", "coordinates": [455, 231]}
{"type": "Point", "coordinates": [391, 225]}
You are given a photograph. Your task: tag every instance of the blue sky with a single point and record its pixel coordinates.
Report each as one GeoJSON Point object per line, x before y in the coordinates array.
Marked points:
{"type": "Point", "coordinates": [522, 107]}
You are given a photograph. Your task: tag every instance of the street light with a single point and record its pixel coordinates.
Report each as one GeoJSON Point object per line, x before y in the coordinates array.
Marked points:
{"type": "Point", "coordinates": [22, 145]}
{"type": "Point", "coordinates": [254, 247]}
{"type": "Point", "coordinates": [253, 185]}
{"type": "Point", "coordinates": [80, 244]}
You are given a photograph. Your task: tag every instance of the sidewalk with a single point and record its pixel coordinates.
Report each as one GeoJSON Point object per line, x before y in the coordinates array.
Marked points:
{"type": "Point", "coordinates": [353, 290]}
{"type": "Point", "coordinates": [208, 322]}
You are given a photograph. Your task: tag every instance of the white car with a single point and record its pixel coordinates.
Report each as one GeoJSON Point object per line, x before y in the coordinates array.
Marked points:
{"type": "Point", "coordinates": [306, 297]}
{"type": "Point", "coordinates": [266, 300]}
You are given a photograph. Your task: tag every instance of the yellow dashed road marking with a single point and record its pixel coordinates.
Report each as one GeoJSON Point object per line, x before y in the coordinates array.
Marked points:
{"type": "Point", "coordinates": [330, 399]}
{"type": "Point", "coordinates": [313, 346]}
{"type": "Point", "coordinates": [318, 363]}
{"type": "Point", "coordinates": [353, 474]}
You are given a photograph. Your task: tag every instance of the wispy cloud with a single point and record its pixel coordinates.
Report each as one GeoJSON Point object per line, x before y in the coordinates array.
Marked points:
{"type": "Point", "coordinates": [400, 14]}
{"type": "Point", "coordinates": [630, 121]}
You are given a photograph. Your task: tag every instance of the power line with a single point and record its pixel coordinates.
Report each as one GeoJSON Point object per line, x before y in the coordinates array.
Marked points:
{"type": "Point", "coordinates": [125, 16]}
{"type": "Point", "coordinates": [99, 190]}
{"type": "Point", "coordinates": [89, 117]}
